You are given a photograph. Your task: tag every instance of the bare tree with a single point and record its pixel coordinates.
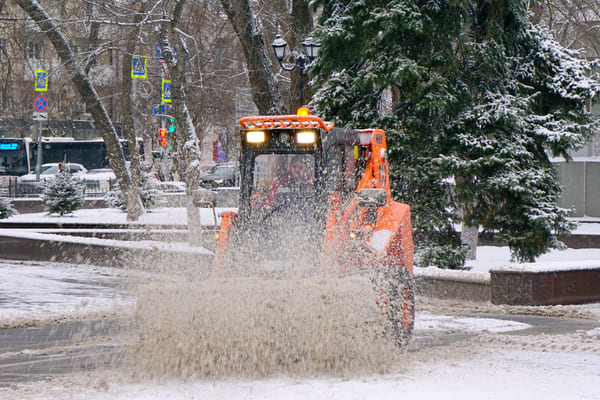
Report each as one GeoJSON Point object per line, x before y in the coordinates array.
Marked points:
{"type": "Point", "coordinates": [175, 54]}
{"type": "Point", "coordinates": [574, 23]}
{"type": "Point", "coordinates": [91, 98]}
{"type": "Point", "coordinates": [128, 122]}
{"type": "Point", "coordinates": [265, 92]}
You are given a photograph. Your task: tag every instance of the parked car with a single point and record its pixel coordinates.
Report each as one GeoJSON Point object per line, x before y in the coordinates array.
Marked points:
{"type": "Point", "coordinates": [100, 180]}
{"type": "Point", "coordinates": [48, 171]}
{"type": "Point", "coordinates": [172, 187]}
{"type": "Point", "coordinates": [221, 175]}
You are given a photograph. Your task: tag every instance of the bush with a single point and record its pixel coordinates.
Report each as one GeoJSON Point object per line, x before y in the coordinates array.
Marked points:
{"type": "Point", "coordinates": [440, 255]}
{"type": "Point", "coordinates": [148, 193]}
{"type": "Point", "coordinates": [63, 194]}
{"type": "Point", "coordinates": [6, 209]}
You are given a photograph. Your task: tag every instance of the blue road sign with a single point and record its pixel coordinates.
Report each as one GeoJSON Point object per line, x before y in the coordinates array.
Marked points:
{"type": "Point", "coordinates": [138, 67]}
{"type": "Point", "coordinates": [40, 103]}
{"type": "Point", "coordinates": [166, 91]}
{"type": "Point", "coordinates": [41, 80]}
{"type": "Point", "coordinates": [159, 109]}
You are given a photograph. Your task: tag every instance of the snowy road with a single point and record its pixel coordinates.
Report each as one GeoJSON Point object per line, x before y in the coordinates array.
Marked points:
{"type": "Point", "coordinates": [459, 350]}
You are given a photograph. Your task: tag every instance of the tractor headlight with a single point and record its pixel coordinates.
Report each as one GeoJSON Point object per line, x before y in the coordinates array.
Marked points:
{"type": "Point", "coordinates": [306, 137]}
{"type": "Point", "coordinates": [255, 136]}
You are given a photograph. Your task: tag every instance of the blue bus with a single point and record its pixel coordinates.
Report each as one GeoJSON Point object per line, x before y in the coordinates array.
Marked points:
{"type": "Point", "coordinates": [15, 156]}
{"type": "Point", "coordinates": [18, 156]}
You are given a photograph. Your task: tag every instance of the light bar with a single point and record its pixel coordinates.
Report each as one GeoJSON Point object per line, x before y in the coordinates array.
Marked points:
{"type": "Point", "coordinates": [306, 137]}
{"type": "Point", "coordinates": [255, 136]}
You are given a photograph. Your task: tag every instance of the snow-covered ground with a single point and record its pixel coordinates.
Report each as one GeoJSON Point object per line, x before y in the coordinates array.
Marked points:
{"type": "Point", "coordinates": [491, 360]}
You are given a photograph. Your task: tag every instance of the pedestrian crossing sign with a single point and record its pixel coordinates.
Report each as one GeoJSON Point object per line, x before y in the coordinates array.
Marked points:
{"type": "Point", "coordinates": [166, 91]}
{"type": "Point", "coordinates": [41, 80]}
{"type": "Point", "coordinates": [139, 67]}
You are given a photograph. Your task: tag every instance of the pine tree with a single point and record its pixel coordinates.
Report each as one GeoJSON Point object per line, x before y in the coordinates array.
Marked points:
{"type": "Point", "coordinates": [6, 209]}
{"type": "Point", "coordinates": [474, 100]}
{"type": "Point", "coordinates": [63, 194]}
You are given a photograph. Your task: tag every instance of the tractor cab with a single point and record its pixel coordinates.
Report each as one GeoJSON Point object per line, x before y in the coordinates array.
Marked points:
{"type": "Point", "coordinates": [288, 167]}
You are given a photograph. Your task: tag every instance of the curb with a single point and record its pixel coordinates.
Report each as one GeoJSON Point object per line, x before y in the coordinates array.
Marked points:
{"type": "Point", "coordinates": [512, 285]}
{"type": "Point", "coordinates": [517, 285]}
{"type": "Point", "coordinates": [146, 255]}
{"type": "Point", "coordinates": [564, 284]}
{"type": "Point", "coordinates": [452, 288]}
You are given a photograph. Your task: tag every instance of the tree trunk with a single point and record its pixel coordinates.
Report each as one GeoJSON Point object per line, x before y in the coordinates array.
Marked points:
{"type": "Point", "coordinates": [186, 140]}
{"type": "Point", "coordinates": [301, 27]}
{"type": "Point", "coordinates": [265, 93]}
{"type": "Point", "coordinates": [469, 235]}
{"type": "Point", "coordinates": [135, 208]}
{"type": "Point", "coordinates": [86, 91]}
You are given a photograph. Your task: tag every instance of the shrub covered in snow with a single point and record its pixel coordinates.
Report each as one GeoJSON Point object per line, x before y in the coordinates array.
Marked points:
{"type": "Point", "coordinates": [440, 255]}
{"type": "Point", "coordinates": [149, 194]}
{"type": "Point", "coordinates": [6, 209]}
{"type": "Point", "coordinates": [63, 194]}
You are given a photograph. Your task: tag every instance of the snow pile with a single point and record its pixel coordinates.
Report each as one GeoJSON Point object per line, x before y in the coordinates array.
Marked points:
{"type": "Point", "coordinates": [583, 342]}
{"type": "Point", "coordinates": [258, 328]}
{"type": "Point", "coordinates": [556, 266]}
{"type": "Point", "coordinates": [177, 247]}
{"type": "Point", "coordinates": [452, 274]}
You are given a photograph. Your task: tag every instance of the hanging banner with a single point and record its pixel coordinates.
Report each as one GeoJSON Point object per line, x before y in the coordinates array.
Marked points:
{"type": "Point", "coordinates": [222, 144]}
{"type": "Point", "coordinates": [139, 67]}
{"type": "Point", "coordinates": [41, 80]}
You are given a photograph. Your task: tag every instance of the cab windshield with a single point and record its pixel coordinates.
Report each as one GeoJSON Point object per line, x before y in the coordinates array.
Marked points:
{"type": "Point", "coordinates": [279, 176]}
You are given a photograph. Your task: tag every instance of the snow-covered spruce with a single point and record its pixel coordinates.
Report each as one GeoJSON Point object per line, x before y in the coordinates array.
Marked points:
{"type": "Point", "coordinates": [474, 99]}
{"type": "Point", "coordinates": [6, 209]}
{"type": "Point", "coordinates": [63, 194]}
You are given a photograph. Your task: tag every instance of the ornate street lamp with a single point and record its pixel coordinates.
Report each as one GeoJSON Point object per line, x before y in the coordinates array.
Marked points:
{"type": "Point", "coordinates": [311, 51]}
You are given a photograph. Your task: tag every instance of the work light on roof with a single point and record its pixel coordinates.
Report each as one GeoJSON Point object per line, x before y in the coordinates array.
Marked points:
{"type": "Point", "coordinates": [306, 136]}
{"type": "Point", "coordinates": [255, 136]}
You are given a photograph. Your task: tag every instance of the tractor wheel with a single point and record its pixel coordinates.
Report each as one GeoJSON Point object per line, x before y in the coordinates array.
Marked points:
{"type": "Point", "coordinates": [395, 288]}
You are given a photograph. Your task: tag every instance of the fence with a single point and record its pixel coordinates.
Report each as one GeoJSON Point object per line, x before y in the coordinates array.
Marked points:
{"type": "Point", "coordinates": [13, 188]}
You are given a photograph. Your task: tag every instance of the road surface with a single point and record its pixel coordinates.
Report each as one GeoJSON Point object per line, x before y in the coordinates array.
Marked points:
{"type": "Point", "coordinates": [492, 343]}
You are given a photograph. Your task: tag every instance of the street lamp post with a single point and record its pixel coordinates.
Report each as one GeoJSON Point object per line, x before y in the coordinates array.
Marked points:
{"type": "Point", "coordinates": [311, 51]}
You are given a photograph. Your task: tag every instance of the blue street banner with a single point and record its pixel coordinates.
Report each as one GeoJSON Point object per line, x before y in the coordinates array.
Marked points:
{"type": "Point", "coordinates": [222, 145]}
{"type": "Point", "coordinates": [166, 91]}
{"type": "Point", "coordinates": [41, 80]}
{"type": "Point", "coordinates": [139, 67]}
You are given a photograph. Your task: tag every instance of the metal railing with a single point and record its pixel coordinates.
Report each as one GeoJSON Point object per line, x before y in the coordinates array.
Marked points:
{"type": "Point", "coordinates": [13, 188]}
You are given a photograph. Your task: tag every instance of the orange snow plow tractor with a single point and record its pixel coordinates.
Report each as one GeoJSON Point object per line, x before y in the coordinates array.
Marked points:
{"type": "Point", "coordinates": [314, 199]}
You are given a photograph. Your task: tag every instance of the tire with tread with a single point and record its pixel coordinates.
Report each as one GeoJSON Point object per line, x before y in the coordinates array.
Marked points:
{"type": "Point", "coordinates": [396, 290]}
